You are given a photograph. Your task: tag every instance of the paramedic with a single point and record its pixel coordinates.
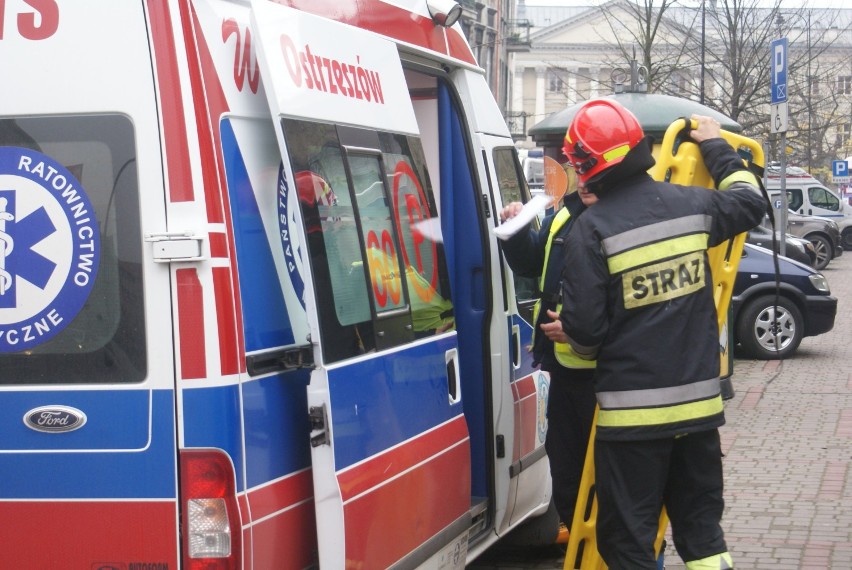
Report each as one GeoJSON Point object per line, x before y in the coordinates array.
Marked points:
{"type": "Point", "coordinates": [571, 399]}
{"type": "Point", "coordinates": [643, 305]}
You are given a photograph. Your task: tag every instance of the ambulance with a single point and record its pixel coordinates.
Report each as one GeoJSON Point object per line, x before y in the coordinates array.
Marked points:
{"type": "Point", "coordinates": [253, 313]}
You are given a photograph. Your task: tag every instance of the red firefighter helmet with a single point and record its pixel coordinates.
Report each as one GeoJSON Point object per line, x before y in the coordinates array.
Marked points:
{"type": "Point", "coordinates": [600, 136]}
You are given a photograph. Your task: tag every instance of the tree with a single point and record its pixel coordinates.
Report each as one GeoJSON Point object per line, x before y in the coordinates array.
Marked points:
{"type": "Point", "coordinates": [645, 29]}
{"type": "Point", "coordinates": [732, 38]}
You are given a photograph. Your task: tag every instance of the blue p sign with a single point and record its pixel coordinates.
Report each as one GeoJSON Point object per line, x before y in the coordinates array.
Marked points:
{"type": "Point", "coordinates": [839, 168]}
{"type": "Point", "coordinates": [778, 71]}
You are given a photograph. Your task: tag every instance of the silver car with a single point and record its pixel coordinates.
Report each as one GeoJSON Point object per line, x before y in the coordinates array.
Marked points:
{"type": "Point", "coordinates": [823, 233]}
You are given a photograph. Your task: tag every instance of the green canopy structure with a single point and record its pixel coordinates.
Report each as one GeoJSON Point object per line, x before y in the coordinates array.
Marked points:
{"type": "Point", "coordinates": [655, 113]}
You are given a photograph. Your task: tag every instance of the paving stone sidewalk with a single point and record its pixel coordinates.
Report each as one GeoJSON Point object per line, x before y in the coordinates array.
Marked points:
{"type": "Point", "coordinates": [788, 445]}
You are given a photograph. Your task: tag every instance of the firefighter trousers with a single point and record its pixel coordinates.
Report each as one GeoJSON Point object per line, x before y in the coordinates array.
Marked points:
{"type": "Point", "coordinates": [570, 411]}
{"type": "Point", "coordinates": [633, 479]}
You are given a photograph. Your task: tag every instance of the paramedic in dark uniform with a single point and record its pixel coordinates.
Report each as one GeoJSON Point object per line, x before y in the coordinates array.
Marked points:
{"type": "Point", "coordinates": [571, 398]}
{"type": "Point", "coordinates": [636, 271]}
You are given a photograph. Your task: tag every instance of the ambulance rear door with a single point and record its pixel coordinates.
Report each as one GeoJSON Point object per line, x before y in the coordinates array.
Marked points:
{"type": "Point", "coordinates": [390, 444]}
{"type": "Point", "coordinates": [88, 460]}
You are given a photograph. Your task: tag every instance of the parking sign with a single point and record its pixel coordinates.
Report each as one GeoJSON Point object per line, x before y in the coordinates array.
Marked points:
{"type": "Point", "coordinates": [778, 71]}
{"type": "Point", "coordinates": [840, 172]}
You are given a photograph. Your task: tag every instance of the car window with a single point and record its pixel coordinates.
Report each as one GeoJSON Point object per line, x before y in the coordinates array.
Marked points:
{"type": "Point", "coordinates": [822, 198]}
{"type": "Point", "coordinates": [794, 199]}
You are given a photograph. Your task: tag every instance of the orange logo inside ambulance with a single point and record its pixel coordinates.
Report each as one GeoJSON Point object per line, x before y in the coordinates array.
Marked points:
{"type": "Point", "coordinates": [417, 209]}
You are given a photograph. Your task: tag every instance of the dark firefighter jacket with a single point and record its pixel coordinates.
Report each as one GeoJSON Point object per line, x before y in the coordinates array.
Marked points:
{"type": "Point", "coordinates": [526, 252]}
{"type": "Point", "coordinates": [637, 265]}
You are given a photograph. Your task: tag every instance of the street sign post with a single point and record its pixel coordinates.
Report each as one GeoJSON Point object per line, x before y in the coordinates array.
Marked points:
{"type": "Point", "coordinates": [778, 118]}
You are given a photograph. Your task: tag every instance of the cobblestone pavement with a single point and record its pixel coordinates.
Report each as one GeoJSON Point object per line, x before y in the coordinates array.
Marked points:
{"type": "Point", "coordinates": [787, 445]}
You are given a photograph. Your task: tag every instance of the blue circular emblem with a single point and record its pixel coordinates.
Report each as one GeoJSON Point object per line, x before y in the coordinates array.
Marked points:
{"type": "Point", "coordinates": [49, 248]}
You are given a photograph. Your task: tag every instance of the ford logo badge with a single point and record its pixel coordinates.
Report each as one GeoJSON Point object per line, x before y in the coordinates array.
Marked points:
{"type": "Point", "coordinates": [54, 419]}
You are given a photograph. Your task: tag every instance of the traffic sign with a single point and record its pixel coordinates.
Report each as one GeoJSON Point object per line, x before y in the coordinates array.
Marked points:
{"type": "Point", "coordinates": [840, 172]}
{"type": "Point", "coordinates": [778, 118]}
{"type": "Point", "coordinates": [778, 71]}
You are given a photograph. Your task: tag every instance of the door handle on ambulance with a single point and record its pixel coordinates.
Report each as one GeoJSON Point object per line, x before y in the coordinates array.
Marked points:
{"type": "Point", "coordinates": [176, 246]}
{"type": "Point", "coordinates": [516, 346]}
{"type": "Point", "coordinates": [451, 357]}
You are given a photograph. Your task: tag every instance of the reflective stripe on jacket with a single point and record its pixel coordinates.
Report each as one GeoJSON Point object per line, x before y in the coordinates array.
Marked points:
{"type": "Point", "coordinates": [563, 352]}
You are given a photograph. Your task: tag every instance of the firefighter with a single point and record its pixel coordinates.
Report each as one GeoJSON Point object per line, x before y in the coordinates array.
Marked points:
{"type": "Point", "coordinates": [571, 398]}
{"type": "Point", "coordinates": [637, 273]}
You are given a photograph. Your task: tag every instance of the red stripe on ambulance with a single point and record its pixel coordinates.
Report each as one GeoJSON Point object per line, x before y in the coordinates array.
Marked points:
{"type": "Point", "coordinates": [392, 532]}
{"type": "Point", "coordinates": [526, 414]}
{"type": "Point", "coordinates": [63, 533]}
{"type": "Point", "coordinates": [171, 103]}
{"type": "Point", "coordinates": [190, 300]}
{"type": "Point", "coordinates": [284, 508]}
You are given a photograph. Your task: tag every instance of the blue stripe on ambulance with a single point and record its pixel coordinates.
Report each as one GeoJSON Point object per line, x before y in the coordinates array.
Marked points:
{"type": "Point", "coordinates": [112, 458]}
{"type": "Point", "coordinates": [265, 319]}
{"type": "Point", "coordinates": [381, 402]}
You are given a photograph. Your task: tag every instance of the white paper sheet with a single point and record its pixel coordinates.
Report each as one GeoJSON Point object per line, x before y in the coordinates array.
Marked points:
{"type": "Point", "coordinates": [530, 210]}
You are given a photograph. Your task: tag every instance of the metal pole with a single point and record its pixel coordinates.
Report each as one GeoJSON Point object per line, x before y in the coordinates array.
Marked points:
{"type": "Point", "coordinates": [783, 217]}
{"type": "Point", "coordinates": [701, 81]}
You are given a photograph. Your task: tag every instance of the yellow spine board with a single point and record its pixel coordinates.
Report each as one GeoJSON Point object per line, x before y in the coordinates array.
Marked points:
{"type": "Point", "coordinates": [678, 161]}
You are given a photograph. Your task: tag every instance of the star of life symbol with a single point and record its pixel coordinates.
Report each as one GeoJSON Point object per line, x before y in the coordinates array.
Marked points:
{"type": "Point", "coordinates": [49, 248]}
{"type": "Point", "coordinates": [29, 265]}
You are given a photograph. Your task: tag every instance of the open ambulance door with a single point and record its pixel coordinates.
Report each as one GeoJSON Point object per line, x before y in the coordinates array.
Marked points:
{"type": "Point", "coordinates": [390, 448]}
{"type": "Point", "coordinates": [527, 486]}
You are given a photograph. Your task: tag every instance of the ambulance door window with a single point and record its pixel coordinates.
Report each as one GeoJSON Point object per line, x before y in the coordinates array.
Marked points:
{"type": "Point", "coordinates": [513, 189]}
{"type": "Point", "coordinates": [71, 296]}
{"type": "Point", "coordinates": [389, 296]}
{"type": "Point", "coordinates": [336, 260]}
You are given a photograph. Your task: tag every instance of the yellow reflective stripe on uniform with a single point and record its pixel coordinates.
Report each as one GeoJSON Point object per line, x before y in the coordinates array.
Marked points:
{"type": "Point", "coordinates": [559, 220]}
{"type": "Point", "coordinates": [656, 251]}
{"type": "Point", "coordinates": [738, 176]}
{"type": "Point", "coordinates": [567, 357]}
{"type": "Point", "coordinates": [659, 231]}
{"type": "Point", "coordinates": [660, 416]}
{"type": "Point", "coordinates": [660, 396]}
{"type": "Point", "coordinates": [721, 561]}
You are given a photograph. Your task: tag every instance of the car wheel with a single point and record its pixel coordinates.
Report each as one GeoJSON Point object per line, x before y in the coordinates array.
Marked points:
{"type": "Point", "coordinates": [846, 239]}
{"type": "Point", "coordinates": [823, 251]}
{"type": "Point", "coordinates": [758, 331]}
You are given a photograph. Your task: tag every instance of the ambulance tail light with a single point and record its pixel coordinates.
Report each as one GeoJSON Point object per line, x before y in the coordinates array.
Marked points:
{"type": "Point", "coordinates": [210, 520]}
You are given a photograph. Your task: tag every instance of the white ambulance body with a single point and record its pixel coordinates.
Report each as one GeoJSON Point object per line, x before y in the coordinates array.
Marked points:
{"type": "Point", "coordinates": [252, 311]}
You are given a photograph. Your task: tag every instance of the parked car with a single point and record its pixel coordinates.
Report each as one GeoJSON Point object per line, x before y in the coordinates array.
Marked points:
{"type": "Point", "coordinates": [795, 248]}
{"type": "Point", "coordinates": [805, 306]}
{"type": "Point", "coordinates": [823, 233]}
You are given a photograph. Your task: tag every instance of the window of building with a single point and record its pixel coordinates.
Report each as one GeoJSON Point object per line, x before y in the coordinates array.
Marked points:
{"type": "Point", "coordinates": [844, 85]}
{"type": "Point", "coordinates": [843, 134]}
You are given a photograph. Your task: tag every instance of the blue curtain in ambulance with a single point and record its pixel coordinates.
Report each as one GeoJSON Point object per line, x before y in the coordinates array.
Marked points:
{"type": "Point", "coordinates": [465, 265]}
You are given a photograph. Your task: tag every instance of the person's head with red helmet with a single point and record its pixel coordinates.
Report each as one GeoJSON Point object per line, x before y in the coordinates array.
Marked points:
{"type": "Point", "coordinates": [605, 143]}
